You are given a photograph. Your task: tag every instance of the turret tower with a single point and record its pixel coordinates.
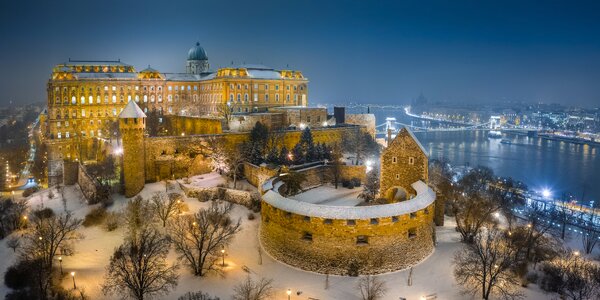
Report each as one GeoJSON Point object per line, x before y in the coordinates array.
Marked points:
{"type": "Point", "coordinates": [132, 122]}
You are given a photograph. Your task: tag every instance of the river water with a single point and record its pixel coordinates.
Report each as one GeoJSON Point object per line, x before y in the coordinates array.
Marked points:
{"type": "Point", "coordinates": [559, 166]}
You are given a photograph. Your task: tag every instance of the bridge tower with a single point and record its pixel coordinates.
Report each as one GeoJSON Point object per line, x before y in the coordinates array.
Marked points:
{"type": "Point", "coordinates": [390, 128]}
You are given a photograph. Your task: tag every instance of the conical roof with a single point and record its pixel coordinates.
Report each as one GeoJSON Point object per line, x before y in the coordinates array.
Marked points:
{"type": "Point", "coordinates": [132, 110]}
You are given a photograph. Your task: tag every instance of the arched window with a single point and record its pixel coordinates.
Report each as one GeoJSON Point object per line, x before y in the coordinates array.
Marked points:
{"type": "Point", "coordinates": [121, 98]}
{"type": "Point", "coordinates": [231, 97]}
{"type": "Point", "coordinates": [82, 100]}
{"type": "Point", "coordinates": [170, 98]}
{"type": "Point", "coordinates": [267, 98]}
{"type": "Point", "coordinates": [245, 97]}
{"type": "Point", "coordinates": [73, 100]}
{"type": "Point", "coordinates": [151, 98]}
{"type": "Point", "coordinates": [145, 98]}
{"type": "Point", "coordinates": [137, 98]}
{"type": "Point", "coordinates": [276, 97]}
{"type": "Point", "coordinates": [98, 99]}
{"type": "Point", "coordinates": [239, 97]}
{"type": "Point", "coordinates": [91, 99]}
{"type": "Point", "coordinates": [287, 98]}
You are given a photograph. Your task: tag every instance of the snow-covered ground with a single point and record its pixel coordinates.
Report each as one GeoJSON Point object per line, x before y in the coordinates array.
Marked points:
{"type": "Point", "coordinates": [327, 194]}
{"type": "Point", "coordinates": [432, 276]}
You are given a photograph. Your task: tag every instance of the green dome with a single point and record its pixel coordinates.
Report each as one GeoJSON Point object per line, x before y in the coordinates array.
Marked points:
{"type": "Point", "coordinates": [197, 53]}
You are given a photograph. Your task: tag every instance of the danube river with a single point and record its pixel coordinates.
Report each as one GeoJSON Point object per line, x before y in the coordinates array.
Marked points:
{"type": "Point", "coordinates": [559, 166]}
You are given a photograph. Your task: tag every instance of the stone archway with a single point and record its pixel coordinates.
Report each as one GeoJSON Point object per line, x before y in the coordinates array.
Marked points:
{"type": "Point", "coordinates": [396, 194]}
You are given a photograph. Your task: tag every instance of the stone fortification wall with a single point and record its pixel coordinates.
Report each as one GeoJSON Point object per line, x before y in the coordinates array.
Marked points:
{"type": "Point", "coordinates": [241, 123]}
{"type": "Point", "coordinates": [371, 241]}
{"type": "Point", "coordinates": [193, 125]}
{"type": "Point", "coordinates": [182, 156]}
{"type": "Point", "coordinates": [87, 184]}
{"type": "Point", "coordinates": [366, 120]}
{"type": "Point", "coordinates": [245, 198]}
{"type": "Point", "coordinates": [257, 175]}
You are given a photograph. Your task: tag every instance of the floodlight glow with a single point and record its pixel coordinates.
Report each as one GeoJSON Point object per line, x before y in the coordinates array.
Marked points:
{"type": "Point", "coordinates": [546, 193]}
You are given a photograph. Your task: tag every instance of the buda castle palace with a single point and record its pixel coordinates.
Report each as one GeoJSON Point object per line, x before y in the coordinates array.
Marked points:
{"type": "Point", "coordinates": [85, 98]}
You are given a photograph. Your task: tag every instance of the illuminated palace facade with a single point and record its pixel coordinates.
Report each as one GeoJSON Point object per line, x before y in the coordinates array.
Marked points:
{"type": "Point", "coordinates": [86, 97]}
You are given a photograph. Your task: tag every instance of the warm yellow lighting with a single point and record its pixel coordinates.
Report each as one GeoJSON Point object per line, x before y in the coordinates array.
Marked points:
{"type": "Point", "coordinates": [72, 274]}
{"type": "Point", "coordinates": [289, 292]}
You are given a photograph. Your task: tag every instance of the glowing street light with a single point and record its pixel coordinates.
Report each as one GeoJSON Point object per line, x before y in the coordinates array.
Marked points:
{"type": "Point", "coordinates": [289, 293]}
{"type": "Point", "coordinates": [223, 255]}
{"type": "Point", "coordinates": [497, 215]}
{"type": "Point", "coordinates": [73, 276]}
{"type": "Point", "coordinates": [546, 193]}
{"type": "Point", "coordinates": [60, 262]}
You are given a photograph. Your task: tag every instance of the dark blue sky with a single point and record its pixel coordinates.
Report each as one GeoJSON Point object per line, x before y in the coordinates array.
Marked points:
{"type": "Point", "coordinates": [365, 51]}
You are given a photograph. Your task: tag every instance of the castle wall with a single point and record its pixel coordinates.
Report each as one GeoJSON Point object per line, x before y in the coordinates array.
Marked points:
{"type": "Point", "coordinates": [86, 183]}
{"type": "Point", "coordinates": [333, 246]}
{"type": "Point", "coordinates": [181, 156]}
{"type": "Point", "coordinates": [193, 125]}
{"type": "Point", "coordinates": [366, 120]}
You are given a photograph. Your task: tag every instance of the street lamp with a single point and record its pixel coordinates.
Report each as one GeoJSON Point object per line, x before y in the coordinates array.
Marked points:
{"type": "Point", "coordinates": [60, 262]}
{"type": "Point", "coordinates": [223, 254]}
{"type": "Point", "coordinates": [289, 293]}
{"type": "Point", "coordinates": [73, 276]}
{"type": "Point", "coordinates": [546, 193]}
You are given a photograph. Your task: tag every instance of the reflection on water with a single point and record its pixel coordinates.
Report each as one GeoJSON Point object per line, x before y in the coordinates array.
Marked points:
{"type": "Point", "coordinates": [538, 162]}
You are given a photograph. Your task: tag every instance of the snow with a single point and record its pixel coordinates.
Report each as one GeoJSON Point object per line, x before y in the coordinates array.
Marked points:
{"type": "Point", "coordinates": [91, 256]}
{"type": "Point", "coordinates": [425, 197]}
{"type": "Point", "coordinates": [132, 110]}
{"type": "Point", "coordinates": [329, 195]}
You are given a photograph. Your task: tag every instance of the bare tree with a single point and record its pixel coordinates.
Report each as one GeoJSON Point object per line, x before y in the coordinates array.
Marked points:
{"type": "Point", "coordinates": [138, 267]}
{"type": "Point", "coordinates": [46, 235]}
{"type": "Point", "coordinates": [572, 277]}
{"type": "Point", "coordinates": [138, 214]}
{"type": "Point", "coordinates": [199, 295]}
{"type": "Point", "coordinates": [250, 289]}
{"type": "Point", "coordinates": [165, 207]}
{"type": "Point", "coordinates": [485, 266]}
{"type": "Point", "coordinates": [13, 242]}
{"type": "Point", "coordinates": [473, 205]}
{"type": "Point", "coordinates": [198, 238]}
{"type": "Point", "coordinates": [336, 163]}
{"type": "Point", "coordinates": [590, 234]}
{"type": "Point", "coordinates": [225, 111]}
{"type": "Point", "coordinates": [371, 288]}
{"type": "Point", "coordinates": [371, 187]}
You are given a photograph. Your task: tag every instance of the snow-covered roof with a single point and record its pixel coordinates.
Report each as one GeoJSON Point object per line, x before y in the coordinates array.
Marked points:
{"type": "Point", "coordinates": [132, 110]}
{"type": "Point", "coordinates": [107, 75]}
{"type": "Point", "coordinates": [425, 197]}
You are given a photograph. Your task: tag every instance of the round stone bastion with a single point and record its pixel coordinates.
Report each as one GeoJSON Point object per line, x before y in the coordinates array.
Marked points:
{"type": "Point", "coordinates": [347, 240]}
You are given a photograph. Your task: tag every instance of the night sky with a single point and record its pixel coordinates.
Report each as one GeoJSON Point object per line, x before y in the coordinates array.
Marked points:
{"type": "Point", "coordinates": [362, 51]}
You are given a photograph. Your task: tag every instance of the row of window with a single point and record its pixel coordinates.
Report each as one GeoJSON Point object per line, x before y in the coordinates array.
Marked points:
{"type": "Point", "coordinates": [266, 87]}
{"type": "Point", "coordinates": [411, 160]}
{"type": "Point", "coordinates": [206, 87]}
{"type": "Point", "coordinates": [352, 222]}
{"type": "Point", "coordinates": [255, 98]}
{"type": "Point", "coordinates": [361, 239]}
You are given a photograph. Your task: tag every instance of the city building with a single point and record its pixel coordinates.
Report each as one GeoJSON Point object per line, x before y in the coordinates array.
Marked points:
{"type": "Point", "coordinates": [85, 98]}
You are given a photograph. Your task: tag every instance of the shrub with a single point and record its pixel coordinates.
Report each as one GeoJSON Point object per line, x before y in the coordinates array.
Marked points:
{"type": "Point", "coordinates": [199, 295]}
{"type": "Point", "coordinates": [187, 180]}
{"type": "Point", "coordinates": [345, 183]}
{"type": "Point", "coordinates": [18, 275]}
{"type": "Point", "coordinates": [112, 221]}
{"type": "Point", "coordinates": [353, 268]}
{"type": "Point", "coordinates": [532, 277]}
{"type": "Point", "coordinates": [44, 213]}
{"type": "Point", "coordinates": [251, 216]}
{"type": "Point", "coordinates": [95, 217]}
{"type": "Point", "coordinates": [29, 191]}
{"type": "Point", "coordinates": [355, 182]}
